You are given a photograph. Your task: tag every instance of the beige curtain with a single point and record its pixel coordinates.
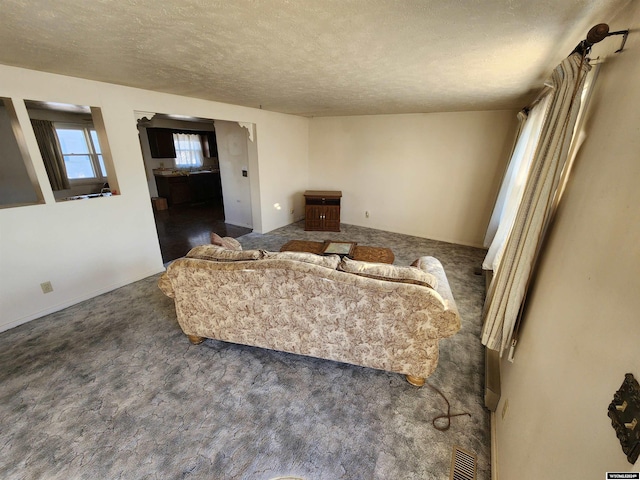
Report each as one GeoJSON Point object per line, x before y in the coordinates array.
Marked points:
{"type": "Point", "coordinates": [513, 185]}
{"type": "Point", "coordinates": [511, 279]}
{"type": "Point", "coordinates": [51, 155]}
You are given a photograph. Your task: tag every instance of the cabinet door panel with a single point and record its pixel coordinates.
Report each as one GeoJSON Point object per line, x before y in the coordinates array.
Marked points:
{"type": "Point", "coordinates": [313, 218]}
{"type": "Point", "coordinates": [332, 218]}
{"type": "Point", "coordinates": [202, 187]}
{"type": "Point", "coordinates": [161, 143]}
{"type": "Point", "coordinates": [180, 190]}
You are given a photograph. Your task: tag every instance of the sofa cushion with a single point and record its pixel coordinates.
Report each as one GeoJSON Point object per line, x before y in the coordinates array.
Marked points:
{"type": "Point", "coordinates": [391, 273]}
{"type": "Point", "coordinates": [221, 254]}
{"type": "Point", "coordinates": [329, 261]}
{"type": "Point", "coordinates": [226, 242]}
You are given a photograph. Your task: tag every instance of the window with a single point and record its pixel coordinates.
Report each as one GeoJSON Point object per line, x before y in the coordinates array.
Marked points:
{"type": "Point", "coordinates": [188, 150]}
{"type": "Point", "coordinates": [73, 143]}
{"type": "Point", "coordinates": [81, 152]}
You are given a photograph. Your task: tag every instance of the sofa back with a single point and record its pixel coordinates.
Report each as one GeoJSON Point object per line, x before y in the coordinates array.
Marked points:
{"type": "Point", "coordinates": [311, 309]}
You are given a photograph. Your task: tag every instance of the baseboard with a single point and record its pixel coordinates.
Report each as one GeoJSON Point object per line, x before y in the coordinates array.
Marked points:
{"type": "Point", "coordinates": [494, 448]}
{"type": "Point", "coordinates": [387, 228]}
{"type": "Point", "coordinates": [71, 302]}
{"type": "Point", "coordinates": [239, 224]}
{"type": "Point", "coordinates": [492, 388]}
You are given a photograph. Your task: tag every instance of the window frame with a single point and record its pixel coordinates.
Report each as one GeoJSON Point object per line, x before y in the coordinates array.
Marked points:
{"type": "Point", "coordinates": [95, 158]}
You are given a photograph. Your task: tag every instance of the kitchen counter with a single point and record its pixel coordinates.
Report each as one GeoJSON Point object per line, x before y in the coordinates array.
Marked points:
{"type": "Point", "coordinates": [162, 172]}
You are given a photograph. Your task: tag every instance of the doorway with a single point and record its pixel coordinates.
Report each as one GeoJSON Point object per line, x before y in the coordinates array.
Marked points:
{"type": "Point", "coordinates": [197, 174]}
{"type": "Point", "coordinates": [182, 227]}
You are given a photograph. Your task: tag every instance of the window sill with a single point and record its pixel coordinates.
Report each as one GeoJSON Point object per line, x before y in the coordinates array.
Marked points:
{"type": "Point", "coordinates": [88, 195]}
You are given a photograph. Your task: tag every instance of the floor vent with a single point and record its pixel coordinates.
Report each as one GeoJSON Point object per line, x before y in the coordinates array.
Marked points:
{"type": "Point", "coordinates": [463, 464]}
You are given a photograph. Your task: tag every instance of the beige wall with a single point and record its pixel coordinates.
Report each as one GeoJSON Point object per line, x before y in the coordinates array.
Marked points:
{"type": "Point", "coordinates": [15, 184]}
{"type": "Point", "coordinates": [88, 247]}
{"type": "Point", "coordinates": [430, 175]}
{"type": "Point", "coordinates": [582, 330]}
{"type": "Point", "coordinates": [290, 169]}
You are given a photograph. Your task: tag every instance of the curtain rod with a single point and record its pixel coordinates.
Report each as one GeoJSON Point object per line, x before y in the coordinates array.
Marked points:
{"type": "Point", "coordinates": [597, 34]}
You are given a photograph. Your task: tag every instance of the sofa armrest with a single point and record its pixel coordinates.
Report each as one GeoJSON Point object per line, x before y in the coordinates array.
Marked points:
{"type": "Point", "coordinates": [434, 267]}
{"type": "Point", "coordinates": [164, 283]}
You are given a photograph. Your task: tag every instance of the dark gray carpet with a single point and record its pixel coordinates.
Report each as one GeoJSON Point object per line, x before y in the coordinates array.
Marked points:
{"type": "Point", "coordinates": [111, 388]}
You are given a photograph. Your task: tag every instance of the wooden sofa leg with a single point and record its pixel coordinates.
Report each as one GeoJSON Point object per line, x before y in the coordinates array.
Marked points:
{"type": "Point", "coordinates": [195, 339]}
{"type": "Point", "coordinates": [415, 381]}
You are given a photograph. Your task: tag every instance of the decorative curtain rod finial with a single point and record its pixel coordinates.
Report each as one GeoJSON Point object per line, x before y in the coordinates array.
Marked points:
{"type": "Point", "coordinates": [596, 34]}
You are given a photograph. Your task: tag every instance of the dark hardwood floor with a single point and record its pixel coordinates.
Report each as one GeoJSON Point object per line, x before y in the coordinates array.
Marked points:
{"type": "Point", "coordinates": [182, 227]}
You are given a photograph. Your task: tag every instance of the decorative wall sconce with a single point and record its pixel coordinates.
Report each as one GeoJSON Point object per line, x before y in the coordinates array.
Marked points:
{"type": "Point", "coordinates": [624, 412]}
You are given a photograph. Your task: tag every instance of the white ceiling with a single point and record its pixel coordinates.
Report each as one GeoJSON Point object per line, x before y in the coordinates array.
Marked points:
{"type": "Point", "coordinates": [307, 57]}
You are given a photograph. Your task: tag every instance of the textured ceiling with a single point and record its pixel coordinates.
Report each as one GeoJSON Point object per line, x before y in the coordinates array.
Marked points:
{"type": "Point", "coordinates": [307, 57]}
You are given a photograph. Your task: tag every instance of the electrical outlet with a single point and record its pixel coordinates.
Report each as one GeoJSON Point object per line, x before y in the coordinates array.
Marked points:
{"type": "Point", "coordinates": [505, 408]}
{"type": "Point", "coordinates": [46, 287]}
{"type": "Point", "coordinates": [293, 211]}
{"type": "Point", "coordinates": [366, 214]}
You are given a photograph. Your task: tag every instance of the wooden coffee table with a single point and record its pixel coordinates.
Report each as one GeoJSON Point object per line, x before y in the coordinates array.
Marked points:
{"type": "Point", "coordinates": [361, 253]}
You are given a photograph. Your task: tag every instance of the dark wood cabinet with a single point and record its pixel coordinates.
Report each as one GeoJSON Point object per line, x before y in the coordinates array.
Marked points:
{"type": "Point", "coordinates": [161, 142]}
{"type": "Point", "coordinates": [193, 188]}
{"type": "Point", "coordinates": [212, 144]}
{"type": "Point", "coordinates": [205, 187]}
{"type": "Point", "coordinates": [175, 189]}
{"type": "Point", "coordinates": [322, 210]}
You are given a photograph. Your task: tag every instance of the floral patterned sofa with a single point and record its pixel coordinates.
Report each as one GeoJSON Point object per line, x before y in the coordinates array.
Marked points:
{"type": "Point", "coordinates": [368, 314]}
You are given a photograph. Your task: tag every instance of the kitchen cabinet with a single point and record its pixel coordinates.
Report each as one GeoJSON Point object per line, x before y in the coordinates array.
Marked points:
{"type": "Point", "coordinates": [161, 143]}
{"type": "Point", "coordinates": [185, 188]}
{"type": "Point", "coordinates": [175, 189]}
{"type": "Point", "coordinates": [205, 187]}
